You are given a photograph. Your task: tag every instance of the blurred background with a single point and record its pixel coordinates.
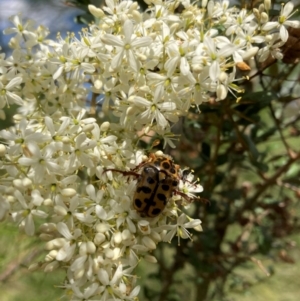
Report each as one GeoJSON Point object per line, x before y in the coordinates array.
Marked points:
{"type": "Point", "coordinates": [57, 15]}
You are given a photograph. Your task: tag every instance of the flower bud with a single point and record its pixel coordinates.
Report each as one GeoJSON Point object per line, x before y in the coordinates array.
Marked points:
{"type": "Point", "coordinates": [45, 237]}
{"type": "Point", "coordinates": [256, 13]}
{"type": "Point", "coordinates": [159, 153]}
{"type": "Point", "coordinates": [102, 227]}
{"type": "Point", "coordinates": [60, 210]}
{"type": "Point", "coordinates": [56, 243]}
{"type": "Point", "coordinates": [117, 253]}
{"type": "Point", "coordinates": [97, 12]}
{"type": "Point", "coordinates": [33, 267]}
{"type": "Point", "coordinates": [156, 236]}
{"type": "Point", "coordinates": [261, 8]}
{"type": "Point", "coordinates": [68, 192]}
{"type": "Point", "coordinates": [268, 38]}
{"type": "Point", "coordinates": [126, 234]}
{"type": "Point", "coordinates": [90, 247]}
{"type": "Point", "coordinates": [27, 182]}
{"type": "Point", "coordinates": [278, 55]}
{"type": "Point", "coordinates": [264, 18]}
{"type": "Point", "coordinates": [51, 267]}
{"type": "Point", "coordinates": [223, 77]}
{"type": "Point", "coordinates": [150, 258]}
{"type": "Point", "coordinates": [17, 118]}
{"type": "Point", "coordinates": [2, 150]}
{"type": "Point", "coordinates": [149, 243]}
{"type": "Point", "coordinates": [18, 184]}
{"type": "Point", "coordinates": [51, 256]}
{"type": "Point", "coordinates": [48, 227]}
{"type": "Point", "coordinates": [250, 53]}
{"type": "Point", "coordinates": [267, 4]}
{"type": "Point", "coordinates": [66, 140]}
{"type": "Point", "coordinates": [117, 238]}
{"type": "Point", "coordinates": [104, 127]}
{"type": "Point", "coordinates": [137, 16]}
{"type": "Point", "coordinates": [144, 227]}
{"type": "Point", "coordinates": [210, 7]}
{"type": "Point", "coordinates": [10, 198]}
{"type": "Point", "coordinates": [48, 202]}
{"type": "Point", "coordinates": [133, 6]}
{"type": "Point", "coordinates": [131, 226]}
{"type": "Point", "coordinates": [83, 249]}
{"type": "Point", "coordinates": [99, 239]}
{"type": "Point", "coordinates": [109, 253]}
{"type": "Point", "coordinates": [204, 3]}
{"type": "Point", "coordinates": [88, 128]}
{"type": "Point", "coordinates": [98, 84]}
{"type": "Point", "coordinates": [221, 92]}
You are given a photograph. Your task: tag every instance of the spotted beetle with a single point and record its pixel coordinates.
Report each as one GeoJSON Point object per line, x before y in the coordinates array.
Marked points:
{"type": "Point", "coordinates": [157, 180]}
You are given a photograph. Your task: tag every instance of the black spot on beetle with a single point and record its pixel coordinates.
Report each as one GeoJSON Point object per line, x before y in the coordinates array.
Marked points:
{"type": "Point", "coordinates": [150, 180]}
{"type": "Point", "coordinates": [166, 165]}
{"type": "Point", "coordinates": [165, 187]}
{"type": "Point", "coordinates": [144, 189]}
{"type": "Point", "coordinates": [155, 211]}
{"type": "Point", "coordinates": [138, 203]}
{"type": "Point", "coordinates": [175, 183]}
{"type": "Point", "coordinates": [161, 197]}
{"type": "Point", "coordinates": [172, 170]}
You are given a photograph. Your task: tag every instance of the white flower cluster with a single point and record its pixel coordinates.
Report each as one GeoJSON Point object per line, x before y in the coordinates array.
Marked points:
{"type": "Point", "coordinates": [147, 69]}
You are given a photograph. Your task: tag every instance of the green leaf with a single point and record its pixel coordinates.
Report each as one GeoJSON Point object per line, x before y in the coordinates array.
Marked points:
{"type": "Point", "coordinates": [206, 150]}
{"type": "Point", "coordinates": [293, 172]}
{"type": "Point", "coordinates": [219, 178]}
{"type": "Point", "coordinates": [222, 159]}
{"type": "Point", "coordinates": [261, 166]}
{"type": "Point", "coordinates": [251, 147]}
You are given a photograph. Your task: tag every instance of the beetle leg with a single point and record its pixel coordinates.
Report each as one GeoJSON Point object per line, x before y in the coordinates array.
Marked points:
{"type": "Point", "coordinates": [124, 173]}
{"type": "Point", "coordinates": [189, 199]}
{"type": "Point", "coordinates": [151, 158]}
{"type": "Point", "coordinates": [139, 166]}
{"type": "Point", "coordinates": [183, 195]}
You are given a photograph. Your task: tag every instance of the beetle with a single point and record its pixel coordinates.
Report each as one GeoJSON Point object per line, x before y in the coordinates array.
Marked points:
{"type": "Point", "coordinates": [157, 181]}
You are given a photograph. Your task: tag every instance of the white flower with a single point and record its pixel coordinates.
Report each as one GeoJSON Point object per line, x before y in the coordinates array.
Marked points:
{"type": "Point", "coordinates": [20, 28]}
{"type": "Point", "coordinates": [7, 92]}
{"type": "Point", "coordinates": [40, 162]}
{"type": "Point", "coordinates": [81, 154]}
{"type": "Point", "coordinates": [15, 64]}
{"type": "Point", "coordinates": [89, 292]}
{"type": "Point", "coordinates": [66, 209]}
{"type": "Point", "coordinates": [156, 110]}
{"type": "Point", "coordinates": [111, 284]}
{"type": "Point", "coordinates": [285, 14]}
{"type": "Point", "coordinates": [66, 252]}
{"type": "Point", "coordinates": [21, 135]}
{"type": "Point", "coordinates": [177, 55]}
{"type": "Point", "coordinates": [239, 22]}
{"type": "Point", "coordinates": [4, 207]}
{"type": "Point", "coordinates": [216, 56]}
{"type": "Point", "coordinates": [28, 211]}
{"type": "Point", "coordinates": [127, 46]}
{"type": "Point", "coordinates": [188, 186]}
{"type": "Point", "coordinates": [272, 48]}
{"type": "Point", "coordinates": [180, 228]}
